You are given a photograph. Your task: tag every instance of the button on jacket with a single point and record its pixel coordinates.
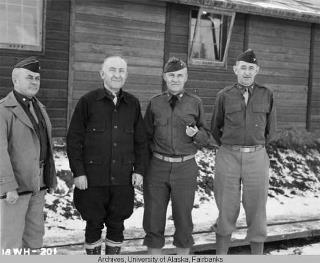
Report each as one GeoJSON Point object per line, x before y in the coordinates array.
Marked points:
{"type": "Point", "coordinates": [166, 128]}
{"type": "Point", "coordinates": [234, 123]}
{"type": "Point", "coordinates": [107, 142]}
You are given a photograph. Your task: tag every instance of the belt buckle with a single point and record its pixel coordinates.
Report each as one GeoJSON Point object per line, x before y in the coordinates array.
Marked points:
{"type": "Point", "coordinates": [246, 149]}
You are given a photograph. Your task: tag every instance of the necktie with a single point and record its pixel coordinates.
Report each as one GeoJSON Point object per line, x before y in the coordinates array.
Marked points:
{"type": "Point", "coordinates": [246, 95]}
{"type": "Point", "coordinates": [31, 108]}
{"type": "Point", "coordinates": [115, 100]}
{"type": "Point", "coordinates": [173, 101]}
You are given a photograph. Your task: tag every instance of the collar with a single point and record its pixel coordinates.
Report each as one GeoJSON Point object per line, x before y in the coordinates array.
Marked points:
{"type": "Point", "coordinates": [22, 98]}
{"type": "Point", "coordinates": [243, 88]}
{"type": "Point", "coordinates": [179, 95]}
{"type": "Point", "coordinates": [104, 93]}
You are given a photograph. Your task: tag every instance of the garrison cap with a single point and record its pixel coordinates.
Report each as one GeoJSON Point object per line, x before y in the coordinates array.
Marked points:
{"type": "Point", "coordinates": [30, 63]}
{"type": "Point", "coordinates": [248, 56]}
{"type": "Point", "coordinates": [174, 64]}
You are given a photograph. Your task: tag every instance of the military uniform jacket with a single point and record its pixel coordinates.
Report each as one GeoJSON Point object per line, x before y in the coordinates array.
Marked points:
{"type": "Point", "coordinates": [235, 123]}
{"type": "Point", "coordinates": [166, 128]}
{"type": "Point", "coordinates": [107, 142]}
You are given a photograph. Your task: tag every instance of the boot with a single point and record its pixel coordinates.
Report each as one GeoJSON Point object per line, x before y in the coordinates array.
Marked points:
{"type": "Point", "coordinates": [94, 251]}
{"type": "Point", "coordinates": [93, 248]}
{"type": "Point", "coordinates": [222, 244]}
{"type": "Point", "coordinates": [256, 248]}
{"type": "Point", "coordinates": [112, 250]}
{"type": "Point", "coordinates": [154, 251]}
{"type": "Point", "coordinates": [183, 251]}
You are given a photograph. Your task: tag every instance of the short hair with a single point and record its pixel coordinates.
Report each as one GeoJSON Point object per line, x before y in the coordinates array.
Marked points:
{"type": "Point", "coordinates": [111, 57]}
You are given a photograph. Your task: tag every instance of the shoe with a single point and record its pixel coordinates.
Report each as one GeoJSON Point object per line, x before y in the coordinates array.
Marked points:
{"type": "Point", "coordinates": [112, 250]}
{"type": "Point", "coordinates": [94, 251]}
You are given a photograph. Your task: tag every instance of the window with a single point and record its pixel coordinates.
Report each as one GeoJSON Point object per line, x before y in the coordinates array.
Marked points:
{"type": "Point", "coordinates": [210, 33]}
{"type": "Point", "coordinates": [21, 24]}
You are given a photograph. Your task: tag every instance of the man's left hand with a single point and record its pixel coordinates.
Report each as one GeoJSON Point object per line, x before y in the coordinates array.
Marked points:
{"type": "Point", "coordinates": [137, 180]}
{"type": "Point", "coordinates": [191, 131]}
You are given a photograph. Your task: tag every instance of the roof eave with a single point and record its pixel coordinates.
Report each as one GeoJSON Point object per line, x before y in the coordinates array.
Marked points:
{"type": "Point", "coordinates": [252, 9]}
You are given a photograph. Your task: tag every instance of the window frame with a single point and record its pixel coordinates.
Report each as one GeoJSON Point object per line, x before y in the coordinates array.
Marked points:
{"type": "Point", "coordinates": [212, 64]}
{"type": "Point", "coordinates": [25, 48]}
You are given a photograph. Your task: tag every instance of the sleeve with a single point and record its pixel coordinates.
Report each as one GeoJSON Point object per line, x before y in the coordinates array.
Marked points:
{"type": "Point", "coordinates": [140, 143]}
{"type": "Point", "coordinates": [148, 121]}
{"type": "Point", "coordinates": [203, 135]}
{"type": "Point", "coordinates": [7, 178]}
{"type": "Point", "coordinates": [217, 120]}
{"type": "Point", "coordinates": [76, 137]}
{"type": "Point", "coordinates": [271, 125]}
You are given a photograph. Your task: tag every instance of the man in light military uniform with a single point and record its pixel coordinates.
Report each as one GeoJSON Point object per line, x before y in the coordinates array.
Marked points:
{"type": "Point", "coordinates": [243, 122]}
{"type": "Point", "coordinates": [26, 161]}
{"type": "Point", "coordinates": [175, 126]}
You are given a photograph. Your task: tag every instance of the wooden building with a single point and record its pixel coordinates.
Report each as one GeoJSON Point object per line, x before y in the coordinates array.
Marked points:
{"type": "Point", "coordinates": [209, 34]}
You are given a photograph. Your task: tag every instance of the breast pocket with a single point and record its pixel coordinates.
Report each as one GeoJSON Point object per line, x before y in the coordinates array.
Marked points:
{"type": "Point", "coordinates": [95, 135]}
{"type": "Point", "coordinates": [260, 112]}
{"type": "Point", "coordinates": [234, 115]}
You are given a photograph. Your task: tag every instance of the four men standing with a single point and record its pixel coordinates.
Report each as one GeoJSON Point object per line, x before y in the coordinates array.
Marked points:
{"type": "Point", "coordinates": [107, 146]}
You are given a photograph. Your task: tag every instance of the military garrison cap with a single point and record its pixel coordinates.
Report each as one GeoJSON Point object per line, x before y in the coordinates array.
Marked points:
{"type": "Point", "coordinates": [30, 63]}
{"type": "Point", "coordinates": [174, 64]}
{"type": "Point", "coordinates": [248, 56]}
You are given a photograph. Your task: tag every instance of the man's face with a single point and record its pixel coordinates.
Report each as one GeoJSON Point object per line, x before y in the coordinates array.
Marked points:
{"type": "Point", "coordinates": [246, 72]}
{"type": "Point", "coordinates": [26, 82]}
{"type": "Point", "coordinates": [176, 80]}
{"type": "Point", "coordinates": [114, 73]}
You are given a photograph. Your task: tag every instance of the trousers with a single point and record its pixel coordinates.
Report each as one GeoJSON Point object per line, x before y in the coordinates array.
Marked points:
{"type": "Point", "coordinates": [249, 171]}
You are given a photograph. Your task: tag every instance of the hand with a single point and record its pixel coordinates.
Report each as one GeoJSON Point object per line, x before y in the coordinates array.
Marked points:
{"type": "Point", "coordinates": [191, 131]}
{"type": "Point", "coordinates": [81, 182]}
{"type": "Point", "coordinates": [12, 197]}
{"type": "Point", "coordinates": [51, 190]}
{"type": "Point", "coordinates": [137, 179]}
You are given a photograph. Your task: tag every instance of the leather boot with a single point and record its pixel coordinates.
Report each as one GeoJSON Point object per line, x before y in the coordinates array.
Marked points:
{"type": "Point", "coordinates": [112, 250]}
{"type": "Point", "coordinates": [154, 251]}
{"type": "Point", "coordinates": [94, 251]}
{"type": "Point", "coordinates": [256, 248]}
{"type": "Point", "coordinates": [222, 244]}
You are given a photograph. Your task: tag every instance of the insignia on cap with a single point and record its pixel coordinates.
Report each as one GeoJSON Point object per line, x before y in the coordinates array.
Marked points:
{"type": "Point", "coordinates": [174, 64]}
{"type": "Point", "coordinates": [30, 63]}
{"type": "Point", "coordinates": [248, 56]}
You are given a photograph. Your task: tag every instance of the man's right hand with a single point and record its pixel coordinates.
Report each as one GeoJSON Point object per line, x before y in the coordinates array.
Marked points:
{"type": "Point", "coordinates": [12, 197]}
{"type": "Point", "coordinates": [81, 182]}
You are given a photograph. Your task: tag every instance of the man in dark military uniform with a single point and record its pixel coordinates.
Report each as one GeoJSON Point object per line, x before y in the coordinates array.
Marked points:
{"type": "Point", "coordinates": [107, 149]}
{"type": "Point", "coordinates": [175, 126]}
{"type": "Point", "coordinates": [243, 122]}
{"type": "Point", "coordinates": [26, 161]}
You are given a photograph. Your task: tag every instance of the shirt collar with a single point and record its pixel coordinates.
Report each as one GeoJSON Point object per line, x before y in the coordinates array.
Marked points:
{"type": "Point", "coordinates": [104, 93]}
{"type": "Point", "coordinates": [22, 98]}
{"type": "Point", "coordinates": [243, 88]}
{"type": "Point", "coordinates": [179, 96]}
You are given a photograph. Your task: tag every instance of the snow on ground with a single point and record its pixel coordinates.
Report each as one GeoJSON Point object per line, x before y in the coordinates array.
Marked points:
{"type": "Point", "coordinates": [312, 249]}
{"type": "Point", "coordinates": [294, 194]}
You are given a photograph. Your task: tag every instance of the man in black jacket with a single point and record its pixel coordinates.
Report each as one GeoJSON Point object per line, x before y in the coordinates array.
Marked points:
{"type": "Point", "coordinates": [107, 149]}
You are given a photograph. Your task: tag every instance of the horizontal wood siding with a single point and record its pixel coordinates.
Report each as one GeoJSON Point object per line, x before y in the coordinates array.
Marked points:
{"type": "Point", "coordinates": [315, 93]}
{"type": "Point", "coordinates": [132, 29]}
{"type": "Point", "coordinates": [205, 82]}
{"type": "Point", "coordinates": [54, 65]}
{"type": "Point", "coordinates": [283, 49]}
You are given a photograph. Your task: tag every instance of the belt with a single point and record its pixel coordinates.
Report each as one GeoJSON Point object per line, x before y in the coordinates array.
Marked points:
{"type": "Point", "coordinates": [24, 192]}
{"type": "Point", "coordinates": [244, 149]}
{"type": "Point", "coordinates": [173, 159]}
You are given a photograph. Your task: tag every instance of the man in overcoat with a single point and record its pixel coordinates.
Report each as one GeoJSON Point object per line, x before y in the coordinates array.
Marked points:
{"type": "Point", "coordinates": [107, 150]}
{"type": "Point", "coordinates": [26, 161]}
